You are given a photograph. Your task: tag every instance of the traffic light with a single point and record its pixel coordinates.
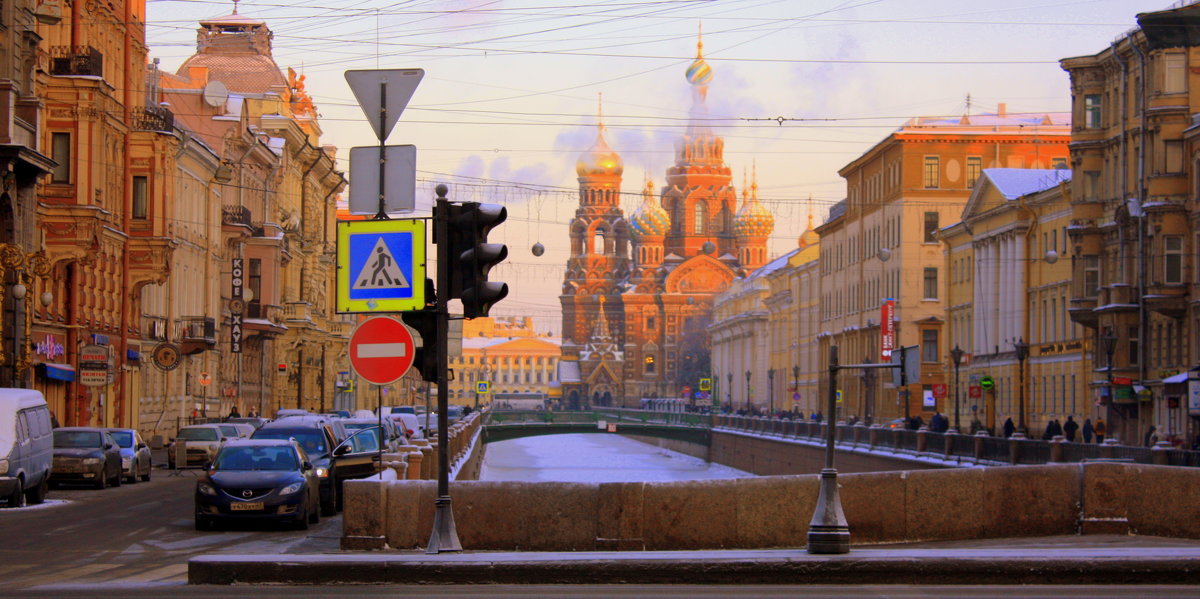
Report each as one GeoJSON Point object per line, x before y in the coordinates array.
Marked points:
{"type": "Point", "coordinates": [424, 322]}
{"type": "Point", "coordinates": [471, 257]}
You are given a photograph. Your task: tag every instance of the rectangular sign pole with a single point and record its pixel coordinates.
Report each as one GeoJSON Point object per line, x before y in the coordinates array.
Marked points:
{"type": "Point", "coordinates": [382, 214]}
{"type": "Point", "coordinates": [444, 537]}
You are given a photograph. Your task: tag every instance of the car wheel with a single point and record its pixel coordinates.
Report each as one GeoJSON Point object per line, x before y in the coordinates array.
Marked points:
{"type": "Point", "coordinates": [17, 499]}
{"type": "Point", "coordinates": [37, 494]}
{"type": "Point", "coordinates": [146, 476]}
{"type": "Point", "coordinates": [132, 476]}
{"type": "Point", "coordinates": [203, 524]}
{"type": "Point", "coordinates": [302, 521]}
{"type": "Point", "coordinates": [102, 482]}
{"type": "Point", "coordinates": [314, 515]}
{"type": "Point", "coordinates": [116, 480]}
{"type": "Point", "coordinates": [329, 507]}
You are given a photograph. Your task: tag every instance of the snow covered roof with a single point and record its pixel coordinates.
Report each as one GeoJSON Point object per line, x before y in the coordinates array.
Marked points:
{"type": "Point", "coordinates": [1013, 183]}
{"type": "Point", "coordinates": [568, 372]}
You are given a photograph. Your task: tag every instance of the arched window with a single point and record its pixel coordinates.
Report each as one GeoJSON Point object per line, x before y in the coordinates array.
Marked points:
{"type": "Point", "coordinates": [698, 218]}
{"type": "Point", "coordinates": [598, 242]}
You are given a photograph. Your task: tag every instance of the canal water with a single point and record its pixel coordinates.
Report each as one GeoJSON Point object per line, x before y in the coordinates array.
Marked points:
{"type": "Point", "coordinates": [593, 458]}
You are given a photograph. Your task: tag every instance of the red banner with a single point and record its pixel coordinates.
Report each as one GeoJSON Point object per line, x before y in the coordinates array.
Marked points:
{"type": "Point", "coordinates": [887, 329]}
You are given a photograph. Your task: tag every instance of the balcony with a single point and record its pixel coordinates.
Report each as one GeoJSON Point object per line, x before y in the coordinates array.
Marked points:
{"type": "Point", "coordinates": [262, 319]}
{"type": "Point", "coordinates": [1083, 312]}
{"type": "Point", "coordinates": [298, 312]}
{"type": "Point", "coordinates": [157, 118]}
{"type": "Point", "coordinates": [199, 334]}
{"type": "Point", "coordinates": [236, 216]}
{"type": "Point", "coordinates": [1117, 298]}
{"type": "Point", "coordinates": [1167, 299]}
{"type": "Point", "coordinates": [76, 61]}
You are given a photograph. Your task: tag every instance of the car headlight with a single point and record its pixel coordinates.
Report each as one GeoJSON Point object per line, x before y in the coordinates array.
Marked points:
{"type": "Point", "coordinates": [292, 488]}
{"type": "Point", "coordinates": [91, 461]}
{"type": "Point", "coordinates": [3, 466]}
{"type": "Point", "coordinates": [322, 472]}
{"type": "Point", "coordinates": [206, 488]}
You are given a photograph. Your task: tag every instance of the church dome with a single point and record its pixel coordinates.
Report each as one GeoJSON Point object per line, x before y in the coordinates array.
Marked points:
{"type": "Point", "coordinates": [599, 159]}
{"type": "Point", "coordinates": [650, 219]}
{"type": "Point", "coordinates": [699, 72]}
{"type": "Point", "coordinates": [753, 219]}
{"type": "Point", "coordinates": [809, 237]}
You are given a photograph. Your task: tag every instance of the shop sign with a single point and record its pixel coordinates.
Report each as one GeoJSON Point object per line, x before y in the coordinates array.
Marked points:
{"type": "Point", "coordinates": [1194, 397]}
{"type": "Point", "coordinates": [49, 348]}
{"type": "Point", "coordinates": [94, 366]}
{"type": "Point", "coordinates": [166, 356]}
{"type": "Point", "coordinates": [887, 329]}
{"type": "Point", "coordinates": [939, 391]}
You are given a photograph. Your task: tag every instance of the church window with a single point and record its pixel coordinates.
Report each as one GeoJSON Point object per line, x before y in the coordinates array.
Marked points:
{"type": "Point", "coordinates": [649, 364]}
{"type": "Point", "coordinates": [698, 223]}
{"type": "Point", "coordinates": [598, 242]}
{"type": "Point", "coordinates": [650, 322]}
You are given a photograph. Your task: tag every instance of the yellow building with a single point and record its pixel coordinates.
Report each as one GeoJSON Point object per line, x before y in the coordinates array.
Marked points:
{"type": "Point", "coordinates": [881, 242]}
{"type": "Point", "coordinates": [1008, 282]}
{"type": "Point", "coordinates": [510, 356]}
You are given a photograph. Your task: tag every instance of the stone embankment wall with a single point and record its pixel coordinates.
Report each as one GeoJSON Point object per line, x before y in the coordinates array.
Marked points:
{"type": "Point", "coordinates": [419, 461]}
{"type": "Point", "coordinates": [776, 456]}
{"type": "Point", "coordinates": [765, 512]}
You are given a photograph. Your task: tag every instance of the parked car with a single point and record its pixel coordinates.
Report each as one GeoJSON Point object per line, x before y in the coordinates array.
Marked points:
{"type": "Point", "coordinates": [411, 424]}
{"type": "Point", "coordinates": [85, 454]}
{"type": "Point", "coordinates": [202, 440]}
{"type": "Point", "coordinates": [393, 436]}
{"type": "Point", "coordinates": [317, 437]}
{"type": "Point", "coordinates": [291, 412]}
{"type": "Point", "coordinates": [254, 421]}
{"type": "Point", "coordinates": [259, 479]}
{"type": "Point", "coordinates": [26, 447]}
{"type": "Point", "coordinates": [135, 454]}
{"type": "Point", "coordinates": [236, 430]}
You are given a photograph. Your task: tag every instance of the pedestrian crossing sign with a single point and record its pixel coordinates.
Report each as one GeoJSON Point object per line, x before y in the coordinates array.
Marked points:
{"type": "Point", "coordinates": [483, 387]}
{"type": "Point", "coordinates": [380, 265]}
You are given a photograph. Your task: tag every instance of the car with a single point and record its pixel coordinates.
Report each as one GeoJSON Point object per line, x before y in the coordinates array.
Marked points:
{"type": "Point", "coordinates": [254, 421]}
{"type": "Point", "coordinates": [236, 430]}
{"type": "Point", "coordinates": [135, 454]}
{"type": "Point", "coordinates": [896, 424]}
{"type": "Point", "coordinates": [202, 441]}
{"type": "Point", "coordinates": [291, 412]}
{"type": "Point", "coordinates": [26, 447]}
{"type": "Point", "coordinates": [411, 424]}
{"type": "Point", "coordinates": [85, 454]}
{"type": "Point", "coordinates": [394, 436]}
{"type": "Point", "coordinates": [258, 479]}
{"type": "Point", "coordinates": [337, 414]}
{"type": "Point", "coordinates": [317, 437]}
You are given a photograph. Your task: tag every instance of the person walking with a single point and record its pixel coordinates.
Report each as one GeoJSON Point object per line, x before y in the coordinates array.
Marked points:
{"type": "Point", "coordinates": [1101, 430]}
{"type": "Point", "coordinates": [1009, 428]}
{"type": "Point", "coordinates": [1151, 438]}
{"type": "Point", "coordinates": [1056, 429]}
{"type": "Point", "coordinates": [1070, 428]}
{"type": "Point", "coordinates": [1088, 430]}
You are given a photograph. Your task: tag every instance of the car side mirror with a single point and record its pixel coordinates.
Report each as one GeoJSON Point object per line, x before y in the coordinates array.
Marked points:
{"type": "Point", "coordinates": [306, 466]}
{"type": "Point", "coordinates": [108, 446]}
{"type": "Point", "coordinates": [141, 446]}
{"type": "Point", "coordinates": [341, 450]}
{"type": "Point", "coordinates": [208, 465]}
{"type": "Point", "coordinates": [224, 439]}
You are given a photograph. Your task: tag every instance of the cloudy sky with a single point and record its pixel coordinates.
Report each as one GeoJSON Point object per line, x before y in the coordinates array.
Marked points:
{"type": "Point", "coordinates": [801, 88]}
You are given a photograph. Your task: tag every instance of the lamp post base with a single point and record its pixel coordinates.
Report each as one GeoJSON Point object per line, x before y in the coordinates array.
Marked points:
{"type": "Point", "coordinates": [828, 532]}
{"type": "Point", "coordinates": [445, 536]}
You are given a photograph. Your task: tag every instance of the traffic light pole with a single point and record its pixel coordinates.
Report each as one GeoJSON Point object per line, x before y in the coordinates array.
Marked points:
{"type": "Point", "coordinates": [444, 537]}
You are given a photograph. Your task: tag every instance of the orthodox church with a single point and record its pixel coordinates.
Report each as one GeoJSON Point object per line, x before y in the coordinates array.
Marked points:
{"type": "Point", "coordinates": [638, 291]}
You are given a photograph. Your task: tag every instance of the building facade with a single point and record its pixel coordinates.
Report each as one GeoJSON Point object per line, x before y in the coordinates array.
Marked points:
{"type": "Point", "coordinates": [511, 357]}
{"type": "Point", "coordinates": [882, 242]}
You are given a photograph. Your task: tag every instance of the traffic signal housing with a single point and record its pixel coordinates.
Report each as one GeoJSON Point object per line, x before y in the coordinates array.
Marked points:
{"type": "Point", "coordinates": [424, 322]}
{"type": "Point", "coordinates": [471, 257]}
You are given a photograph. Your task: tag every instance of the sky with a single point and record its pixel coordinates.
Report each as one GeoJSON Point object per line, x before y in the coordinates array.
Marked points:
{"type": "Point", "coordinates": [512, 90]}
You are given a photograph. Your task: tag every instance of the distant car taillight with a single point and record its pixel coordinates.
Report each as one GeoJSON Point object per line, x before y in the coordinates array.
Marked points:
{"type": "Point", "coordinates": [408, 431]}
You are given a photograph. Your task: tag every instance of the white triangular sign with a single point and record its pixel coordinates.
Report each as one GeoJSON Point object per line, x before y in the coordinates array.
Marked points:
{"type": "Point", "coordinates": [380, 271]}
{"type": "Point", "coordinates": [397, 84]}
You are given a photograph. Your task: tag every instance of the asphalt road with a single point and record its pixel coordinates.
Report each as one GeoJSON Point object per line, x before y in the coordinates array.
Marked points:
{"type": "Point", "coordinates": [132, 535]}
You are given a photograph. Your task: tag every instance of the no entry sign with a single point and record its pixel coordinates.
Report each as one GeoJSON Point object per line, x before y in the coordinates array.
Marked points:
{"type": "Point", "coordinates": [381, 350]}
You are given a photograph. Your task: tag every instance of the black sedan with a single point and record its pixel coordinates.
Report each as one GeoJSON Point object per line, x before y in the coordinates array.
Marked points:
{"type": "Point", "coordinates": [259, 479]}
{"type": "Point", "coordinates": [85, 454]}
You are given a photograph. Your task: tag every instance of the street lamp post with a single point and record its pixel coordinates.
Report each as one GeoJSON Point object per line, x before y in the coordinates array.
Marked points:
{"type": "Point", "coordinates": [956, 354]}
{"type": "Point", "coordinates": [729, 390]}
{"type": "Point", "coordinates": [1022, 349]}
{"type": "Point", "coordinates": [771, 391]}
{"type": "Point", "coordinates": [828, 532]}
{"type": "Point", "coordinates": [748, 407]}
{"type": "Point", "coordinates": [1110, 347]}
{"type": "Point", "coordinates": [795, 385]}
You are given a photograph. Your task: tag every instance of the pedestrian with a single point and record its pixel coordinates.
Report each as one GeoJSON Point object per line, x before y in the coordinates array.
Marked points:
{"type": "Point", "coordinates": [234, 413]}
{"type": "Point", "coordinates": [1048, 434]}
{"type": "Point", "coordinates": [1151, 438]}
{"type": "Point", "coordinates": [1070, 428]}
{"type": "Point", "coordinates": [1088, 430]}
{"type": "Point", "coordinates": [1056, 429]}
{"type": "Point", "coordinates": [1101, 430]}
{"type": "Point", "coordinates": [1009, 428]}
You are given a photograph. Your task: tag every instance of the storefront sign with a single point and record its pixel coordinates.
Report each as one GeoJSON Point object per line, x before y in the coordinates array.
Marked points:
{"type": "Point", "coordinates": [50, 348]}
{"type": "Point", "coordinates": [166, 356]}
{"type": "Point", "coordinates": [237, 305]}
{"type": "Point", "coordinates": [887, 329]}
{"type": "Point", "coordinates": [94, 365]}
{"type": "Point", "coordinates": [1193, 396]}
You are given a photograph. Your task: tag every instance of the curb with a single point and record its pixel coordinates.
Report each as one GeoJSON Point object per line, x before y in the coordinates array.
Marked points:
{"type": "Point", "coordinates": [775, 567]}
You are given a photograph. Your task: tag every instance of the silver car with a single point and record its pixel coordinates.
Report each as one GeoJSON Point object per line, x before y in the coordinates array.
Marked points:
{"type": "Point", "coordinates": [135, 454]}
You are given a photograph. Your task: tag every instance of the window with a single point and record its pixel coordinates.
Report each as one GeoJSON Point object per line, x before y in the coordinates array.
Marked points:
{"type": "Point", "coordinates": [933, 174]}
{"type": "Point", "coordinates": [1173, 156]}
{"type": "Point", "coordinates": [931, 283]}
{"type": "Point", "coordinates": [254, 286]}
{"type": "Point", "coordinates": [1091, 183]}
{"type": "Point", "coordinates": [1091, 111]}
{"type": "Point", "coordinates": [1059, 163]}
{"type": "Point", "coordinates": [929, 345]}
{"type": "Point", "coordinates": [60, 150]}
{"type": "Point", "coordinates": [1133, 346]}
{"type": "Point", "coordinates": [1173, 259]}
{"type": "Point", "coordinates": [649, 364]}
{"type": "Point", "coordinates": [1174, 74]}
{"type": "Point", "coordinates": [974, 170]}
{"type": "Point", "coordinates": [140, 192]}
{"type": "Point", "coordinates": [598, 242]}
{"type": "Point", "coordinates": [1091, 276]}
{"type": "Point", "coordinates": [931, 227]}
{"type": "Point", "coordinates": [698, 222]}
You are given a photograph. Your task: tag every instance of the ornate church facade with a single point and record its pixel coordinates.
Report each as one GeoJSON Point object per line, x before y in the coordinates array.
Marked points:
{"type": "Point", "coordinates": [638, 292]}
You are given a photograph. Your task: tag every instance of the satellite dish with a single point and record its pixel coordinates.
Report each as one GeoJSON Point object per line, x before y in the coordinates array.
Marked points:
{"type": "Point", "coordinates": [215, 94]}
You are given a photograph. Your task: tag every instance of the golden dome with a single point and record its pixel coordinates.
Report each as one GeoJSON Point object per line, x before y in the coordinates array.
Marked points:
{"type": "Point", "coordinates": [600, 159]}
{"type": "Point", "coordinates": [809, 237]}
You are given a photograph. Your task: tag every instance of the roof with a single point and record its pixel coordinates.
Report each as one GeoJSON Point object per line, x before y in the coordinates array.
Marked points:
{"type": "Point", "coordinates": [568, 372]}
{"type": "Point", "coordinates": [987, 123]}
{"type": "Point", "coordinates": [491, 342]}
{"type": "Point", "coordinates": [1013, 183]}
{"type": "Point", "coordinates": [774, 265]}
{"type": "Point", "coordinates": [241, 73]}
{"type": "Point", "coordinates": [257, 442]}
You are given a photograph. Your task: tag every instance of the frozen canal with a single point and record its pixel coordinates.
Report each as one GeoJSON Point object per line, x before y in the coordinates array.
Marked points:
{"type": "Point", "coordinates": [587, 457]}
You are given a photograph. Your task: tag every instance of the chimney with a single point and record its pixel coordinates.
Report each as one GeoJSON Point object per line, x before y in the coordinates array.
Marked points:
{"type": "Point", "coordinates": [1002, 111]}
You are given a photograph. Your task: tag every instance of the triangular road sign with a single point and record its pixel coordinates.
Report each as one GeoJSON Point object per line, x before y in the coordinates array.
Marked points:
{"type": "Point", "coordinates": [398, 84]}
{"type": "Point", "coordinates": [380, 270]}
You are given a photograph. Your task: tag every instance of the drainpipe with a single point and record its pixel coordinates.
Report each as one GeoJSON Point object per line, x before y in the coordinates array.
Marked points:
{"type": "Point", "coordinates": [1141, 231]}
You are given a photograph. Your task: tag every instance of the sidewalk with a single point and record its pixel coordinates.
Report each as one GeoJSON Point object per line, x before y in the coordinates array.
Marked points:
{"type": "Point", "coordinates": [1093, 559]}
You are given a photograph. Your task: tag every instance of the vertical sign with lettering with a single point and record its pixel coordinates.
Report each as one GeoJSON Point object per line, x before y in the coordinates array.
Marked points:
{"type": "Point", "coordinates": [236, 305]}
{"type": "Point", "coordinates": [887, 329]}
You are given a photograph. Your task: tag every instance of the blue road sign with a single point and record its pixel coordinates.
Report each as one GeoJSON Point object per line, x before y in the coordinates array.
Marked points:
{"type": "Point", "coordinates": [381, 265]}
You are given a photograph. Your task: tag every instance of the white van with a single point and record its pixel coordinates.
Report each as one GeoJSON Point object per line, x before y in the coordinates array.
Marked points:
{"type": "Point", "coordinates": [26, 447]}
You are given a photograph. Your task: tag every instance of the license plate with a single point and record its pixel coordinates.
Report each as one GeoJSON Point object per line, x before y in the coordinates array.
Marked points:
{"type": "Point", "coordinates": [246, 507]}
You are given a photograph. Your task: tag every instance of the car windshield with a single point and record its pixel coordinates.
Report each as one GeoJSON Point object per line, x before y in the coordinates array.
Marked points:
{"type": "Point", "coordinates": [357, 426]}
{"type": "Point", "coordinates": [229, 431]}
{"type": "Point", "coordinates": [76, 439]}
{"type": "Point", "coordinates": [123, 438]}
{"type": "Point", "coordinates": [257, 458]}
{"type": "Point", "coordinates": [312, 441]}
{"type": "Point", "coordinates": [198, 434]}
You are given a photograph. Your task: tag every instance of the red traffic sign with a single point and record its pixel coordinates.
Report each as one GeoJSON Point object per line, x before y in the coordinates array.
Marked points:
{"type": "Point", "coordinates": [381, 350]}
